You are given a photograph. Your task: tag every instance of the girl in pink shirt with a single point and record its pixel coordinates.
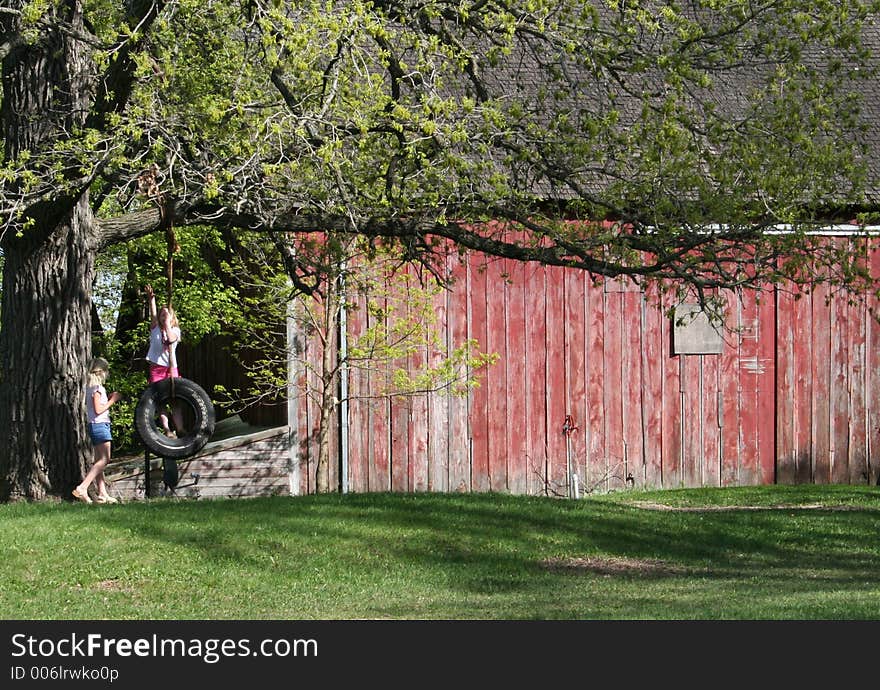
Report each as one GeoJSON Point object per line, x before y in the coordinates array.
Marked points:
{"type": "Point", "coordinates": [97, 407]}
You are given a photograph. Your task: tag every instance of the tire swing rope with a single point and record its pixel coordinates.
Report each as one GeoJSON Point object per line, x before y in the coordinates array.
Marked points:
{"type": "Point", "coordinates": [172, 247]}
{"type": "Point", "coordinates": [170, 471]}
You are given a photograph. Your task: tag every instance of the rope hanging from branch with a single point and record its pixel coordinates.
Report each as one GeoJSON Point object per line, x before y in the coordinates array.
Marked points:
{"type": "Point", "coordinates": [172, 248]}
{"type": "Point", "coordinates": [148, 185]}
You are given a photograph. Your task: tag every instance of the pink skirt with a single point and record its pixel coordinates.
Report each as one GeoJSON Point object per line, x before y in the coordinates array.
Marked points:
{"type": "Point", "coordinates": [157, 373]}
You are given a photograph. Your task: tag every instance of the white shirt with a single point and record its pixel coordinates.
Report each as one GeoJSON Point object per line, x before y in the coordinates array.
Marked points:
{"type": "Point", "coordinates": [95, 418]}
{"type": "Point", "coordinates": [158, 353]}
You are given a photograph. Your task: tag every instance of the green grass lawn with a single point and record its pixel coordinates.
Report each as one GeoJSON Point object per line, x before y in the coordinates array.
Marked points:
{"type": "Point", "coordinates": [770, 552]}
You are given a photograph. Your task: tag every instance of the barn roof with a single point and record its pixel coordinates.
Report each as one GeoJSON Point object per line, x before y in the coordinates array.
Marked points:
{"type": "Point", "coordinates": [732, 90]}
{"type": "Point", "coordinates": [870, 105]}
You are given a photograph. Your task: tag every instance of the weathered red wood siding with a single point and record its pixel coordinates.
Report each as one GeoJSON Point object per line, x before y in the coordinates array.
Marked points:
{"type": "Point", "coordinates": [793, 397]}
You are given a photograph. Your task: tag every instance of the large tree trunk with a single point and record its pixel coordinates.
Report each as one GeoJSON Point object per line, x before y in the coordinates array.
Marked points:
{"type": "Point", "coordinates": [45, 346]}
{"type": "Point", "coordinates": [45, 319]}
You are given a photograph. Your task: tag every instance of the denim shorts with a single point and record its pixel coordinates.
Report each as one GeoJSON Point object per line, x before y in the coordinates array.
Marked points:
{"type": "Point", "coordinates": [100, 432]}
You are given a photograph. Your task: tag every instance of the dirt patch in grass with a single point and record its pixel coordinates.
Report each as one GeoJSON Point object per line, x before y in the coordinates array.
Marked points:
{"type": "Point", "coordinates": [613, 565]}
{"type": "Point", "coordinates": [108, 586]}
{"type": "Point", "coordinates": [111, 585]}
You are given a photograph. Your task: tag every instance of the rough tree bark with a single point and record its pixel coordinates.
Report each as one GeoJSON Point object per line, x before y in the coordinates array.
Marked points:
{"type": "Point", "coordinates": [49, 92]}
{"type": "Point", "coordinates": [46, 309]}
{"type": "Point", "coordinates": [46, 322]}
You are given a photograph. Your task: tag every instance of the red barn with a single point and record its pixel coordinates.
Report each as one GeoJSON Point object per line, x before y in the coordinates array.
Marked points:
{"type": "Point", "coordinates": [594, 381]}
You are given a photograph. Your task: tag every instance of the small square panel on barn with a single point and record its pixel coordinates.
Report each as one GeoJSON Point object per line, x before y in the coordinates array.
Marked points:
{"type": "Point", "coordinates": [693, 333]}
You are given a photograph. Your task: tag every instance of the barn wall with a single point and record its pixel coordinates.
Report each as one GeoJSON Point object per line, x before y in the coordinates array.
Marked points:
{"type": "Point", "coordinates": [793, 396]}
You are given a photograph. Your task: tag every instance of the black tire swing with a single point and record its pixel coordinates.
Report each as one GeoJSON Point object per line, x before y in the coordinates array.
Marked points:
{"type": "Point", "coordinates": [197, 410]}
{"type": "Point", "coordinates": [195, 404]}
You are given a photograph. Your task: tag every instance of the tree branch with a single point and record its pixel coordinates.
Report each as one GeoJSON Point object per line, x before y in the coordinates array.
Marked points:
{"type": "Point", "coordinates": [129, 226]}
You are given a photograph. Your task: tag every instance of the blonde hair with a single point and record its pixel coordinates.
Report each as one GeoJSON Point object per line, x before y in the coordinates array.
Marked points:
{"type": "Point", "coordinates": [98, 370]}
{"type": "Point", "coordinates": [172, 317]}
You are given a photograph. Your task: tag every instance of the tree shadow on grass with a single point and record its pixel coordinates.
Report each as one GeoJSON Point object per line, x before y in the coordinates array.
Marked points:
{"type": "Point", "coordinates": [485, 545]}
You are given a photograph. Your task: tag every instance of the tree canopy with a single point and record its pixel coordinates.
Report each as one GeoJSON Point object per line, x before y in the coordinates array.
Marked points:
{"type": "Point", "coordinates": [662, 140]}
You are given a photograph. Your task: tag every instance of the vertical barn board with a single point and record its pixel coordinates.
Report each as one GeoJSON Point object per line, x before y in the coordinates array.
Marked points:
{"type": "Point", "coordinates": [399, 455]}
{"type": "Point", "coordinates": [575, 343]}
{"type": "Point", "coordinates": [401, 419]}
{"type": "Point", "coordinates": [306, 474]}
{"type": "Point", "coordinates": [536, 367]}
{"type": "Point", "coordinates": [401, 416]}
{"type": "Point", "coordinates": [839, 392]}
{"type": "Point", "coordinates": [380, 430]}
{"type": "Point", "coordinates": [556, 317]}
{"type": "Point", "coordinates": [379, 441]}
{"type": "Point", "coordinates": [802, 329]}
{"type": "Point", "coordinates": [358, 435]}
{"type": "Point", "coordinates": [479, 413]}
{"type": "Point", "coordinates": [458, 433]}
{"type": "Point", "coordinates": [333, 459]}
{"type": "Point", "coordinates": [516, 445]}
{"type": "Point", "coordinates": [820, 370]}
{"type": "Point", "coordinates": [749, 373]}
{"type": "Point", "coordinates": [672, 412]}
{"type": "Point", "coordinates": [767, 389]}
{"type": "Point", "coordinates": [873, 368]}
{"type": "Point", "coordinates": [729, 390]}
{"type": "Point", "coordinates": [654, 354]}
{"type": "Point", "coordinates": [418, 435]}
{"type": "Point", "coordinates": [418, 430]}
{"type": "Point", "coordinates": [498, 420]}
{"type": "Point", "coordinates": [438, 402]}
{"type": "Point", "coordinates": [358, 415]}
{"type": "Point", "coordinates": [631, 361]}
{"type": "Point", "coordinates": [858, 438]}
{"type": "Point", "coordinates": [613, 389]}
{"type": "Point", "coordinates": [596, 469]}
{"type": "Point", "coordinates": [692, 418]}
{"type": "Point", "coordinates": [418, 443]}
{"type": "Point", "coordinates": [786, 411]}
{"type": "Point", "coordinates": [711, 461]}
{"type": "Point", "coordinates": [333, 450]}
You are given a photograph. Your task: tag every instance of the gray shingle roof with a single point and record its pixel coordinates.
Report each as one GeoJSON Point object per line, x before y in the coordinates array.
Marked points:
{"type": "Point", "coordinates": [732, 93]}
